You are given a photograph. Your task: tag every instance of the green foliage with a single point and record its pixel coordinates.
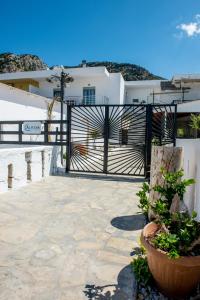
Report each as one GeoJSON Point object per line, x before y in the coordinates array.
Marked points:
{"type": "Point", "coordinates": [181, 229]}
{"type": "Point", "coordinates": [180, 132]}
{"type": "Point", "coordinates": [155, 141]}
{"type": "Point", "coordinates": [65, 155]}
{"type": "Point", "coordinates": [173, 185]}
{"type": "Point", "coordinates": [141, 270]}
{"type": "Point", "coordinates": [161, 209]}
{"type": "Point", "coordinates": [167, 242]}
{"type": "Point", "coordinates": [94, 133]}
{"type": "Point", "coordinates": [186, 228]}
{"type": "Point", "coordinates": [143, 195]}
{"type": "Point", "coordinates": [195, 121]}
{"type": "Point", "coordinates": [178, 230]}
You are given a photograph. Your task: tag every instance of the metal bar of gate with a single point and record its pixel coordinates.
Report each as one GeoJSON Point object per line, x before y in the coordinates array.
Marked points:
{"type": "Point", "coordinates": [148, 141]}
{"type": "Point", "coordinates": [106, 137]}
{"type": "Point", "coordinates": [68, 144]}
{"type": "Point", "coordinates": [20, 132]}
{"type": "Point", "coordinates": [175, 126]}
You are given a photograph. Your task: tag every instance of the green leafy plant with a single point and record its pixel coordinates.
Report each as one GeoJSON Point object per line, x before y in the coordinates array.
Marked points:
{"type": "Point", "coordinates": [179, 232]}
{"type": "Point", "coordinates": [141, 270]}
{"type": "Point", "coordinates": [161, 209]}
{"type": "Point", "coordinates": [180, 132]}
{"type": "Point", "coordinates": [167, 242]}
{"type": "Point", "coordinates": [143, 195]}
{"type": "Point", "coordinates": [155, 141]}
{"type": "Point", "coordinates": [94, 134]}
{"type": "Point", "coordinates": [65, 155]}
{"type": "Point", "coordinates": [178, 229]}
{"type": "Point", "coordinates": [173, 185]}
{"type": "Point", "coordinates": [195, 121]}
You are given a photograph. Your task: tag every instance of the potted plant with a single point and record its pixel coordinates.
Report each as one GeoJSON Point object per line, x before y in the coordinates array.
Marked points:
{"type": "Point", "coordinates": [172, 240]}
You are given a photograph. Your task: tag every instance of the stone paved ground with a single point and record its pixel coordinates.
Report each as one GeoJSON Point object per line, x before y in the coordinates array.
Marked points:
{"type": "Point", "coordinates": [68, 239]}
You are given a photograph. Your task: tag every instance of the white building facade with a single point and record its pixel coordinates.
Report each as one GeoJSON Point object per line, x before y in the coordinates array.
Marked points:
{"type": "Point", "coordinates": [95, 85]}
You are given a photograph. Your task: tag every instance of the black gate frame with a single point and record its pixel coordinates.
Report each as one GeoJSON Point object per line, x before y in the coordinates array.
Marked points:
{"type": "Point", "coordinates": [148, 136]}
{"type": "Point", "coordinates": [67, 143]}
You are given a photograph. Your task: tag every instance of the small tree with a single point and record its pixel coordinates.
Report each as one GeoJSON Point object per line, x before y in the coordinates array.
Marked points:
{"type": "Point", "coordinates": [195, 122]}
{"type": "Point", "coordinates": [94, 134]}
{"type": "Point", "coordinates": [50, 107]}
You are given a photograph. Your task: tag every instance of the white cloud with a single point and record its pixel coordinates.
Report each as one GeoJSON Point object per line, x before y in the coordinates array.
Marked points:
{"type": "Point", "coordinates": [192, 28]}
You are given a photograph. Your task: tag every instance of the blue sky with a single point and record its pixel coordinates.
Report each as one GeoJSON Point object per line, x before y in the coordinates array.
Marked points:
{"type": "Point", "coordinates": [161, 35]}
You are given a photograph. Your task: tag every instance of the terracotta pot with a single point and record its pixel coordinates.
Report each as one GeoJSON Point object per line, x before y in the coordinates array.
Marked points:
{"type": "Point", "coordinates": [175, 278]}
{"type": "Point", "coordinates": [82, 149]}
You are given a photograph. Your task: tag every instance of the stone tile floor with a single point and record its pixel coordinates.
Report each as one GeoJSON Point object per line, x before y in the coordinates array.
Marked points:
{"type": "Point", "coordinates": [68, 238]}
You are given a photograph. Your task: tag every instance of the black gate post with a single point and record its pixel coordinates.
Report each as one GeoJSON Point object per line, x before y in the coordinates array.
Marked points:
{"type": "Point", "coordinates": [106, 137]}
{"type": "Point", "coordinates": [175, 126]}
{"type": "Point", "coordinates": [68, 142]}
{"type": "Point", "coordinates": [148, 142]}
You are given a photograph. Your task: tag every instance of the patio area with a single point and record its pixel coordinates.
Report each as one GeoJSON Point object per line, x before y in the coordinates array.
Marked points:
{"type": "Point", "coordinates": [69, 238]}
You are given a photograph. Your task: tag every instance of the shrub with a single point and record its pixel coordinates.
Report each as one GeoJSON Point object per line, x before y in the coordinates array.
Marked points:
{"type": "Point", "coordinates": [143, 195]}
{"type": "Point", "coordinates": [179, 232]}
{"type": "Point", "coordinates": [178, 229]}
{"type": "Point", "coordinates": [141, 270]}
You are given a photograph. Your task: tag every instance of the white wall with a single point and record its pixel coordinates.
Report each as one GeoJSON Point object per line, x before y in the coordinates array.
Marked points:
{"type": "Point", "coordinates": [16, 104]}
{"type": "Point", "coordinates": [144, 93]}
{"type": "Point", "coordinates": [193, 107]}
{"type": "Point", "coordinates": [142, 89]}
{"type": "Point", "coordinates": [191, 166]}
{"type": "Point", "coordinates": [39, 168]}
{"type": "Point", "coordinates": [110, 86]}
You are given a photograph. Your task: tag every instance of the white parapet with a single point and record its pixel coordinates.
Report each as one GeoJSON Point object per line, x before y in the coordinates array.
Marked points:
{"type": "Point", "coordinates": [191, 165]}
{"type": "Point", "coordinates": [20, 165]}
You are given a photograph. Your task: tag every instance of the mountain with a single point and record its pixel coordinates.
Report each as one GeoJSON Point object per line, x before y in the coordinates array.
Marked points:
{"type": "Point", "coordinates": [129, 71]}
{"type": "Point", "coordinates": [10, 62]}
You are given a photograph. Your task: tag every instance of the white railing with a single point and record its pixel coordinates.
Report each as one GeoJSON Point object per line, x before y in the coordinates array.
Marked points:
{"type": "Point", "coordinates": [87, 100]}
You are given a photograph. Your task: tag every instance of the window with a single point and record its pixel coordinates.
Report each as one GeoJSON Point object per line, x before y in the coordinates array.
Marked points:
{"type": "Point", "coordinates": [89, 95]}
{"type": "Point", "coordinates": [57, 93]}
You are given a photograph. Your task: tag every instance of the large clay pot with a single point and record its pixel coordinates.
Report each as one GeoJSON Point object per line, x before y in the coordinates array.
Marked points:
{"type": "Point", "coordinates": [82, 149]}
{"type": "Point", "coordinates": [174, 277]}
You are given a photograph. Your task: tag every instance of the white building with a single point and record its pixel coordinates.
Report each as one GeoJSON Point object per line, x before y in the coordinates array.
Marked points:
{"type": "Point", "coordinates": [17, 104]}
{"type": "Point", "coordinates": [95, 85]}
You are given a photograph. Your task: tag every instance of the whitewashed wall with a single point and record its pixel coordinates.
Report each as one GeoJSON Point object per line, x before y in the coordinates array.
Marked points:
{"type": "Point", "coordinates": [191, 165]}
{"type": "Point", "coordinates": [111, 86]}
{"type": "Point", "coordinates": [143, 89]}
{"type": "Point", "coordinates": [43, 161]}
{"type": "Point", "coordinates": [16, 104]}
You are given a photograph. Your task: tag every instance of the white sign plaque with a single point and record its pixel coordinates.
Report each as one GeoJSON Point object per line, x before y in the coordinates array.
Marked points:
{"type": "Point", "coordinates": [31, 127]}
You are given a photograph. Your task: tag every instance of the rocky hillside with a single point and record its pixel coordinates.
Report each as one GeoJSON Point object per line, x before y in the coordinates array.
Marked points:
{"type": "Point", "coordinates": [10, 62]}
{"type": "Point", "coordinates": [129, 71]}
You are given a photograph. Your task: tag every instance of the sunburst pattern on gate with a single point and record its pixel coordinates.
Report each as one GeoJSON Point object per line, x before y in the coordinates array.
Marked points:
{"type": "Point", "coordinates": [112, 142]}
{"type": "Point", "coordinates": [163, 124]}
{"type": "Point", "coordinates": [87, 138]}
{"type": "Point", "coordinates": [127, 140]}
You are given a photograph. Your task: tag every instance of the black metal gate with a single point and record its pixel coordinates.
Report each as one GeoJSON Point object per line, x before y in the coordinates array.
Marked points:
{"type": "Point", "coordinates": [110, 139]}
{"type": "Point", "coordinates": [117, 139]}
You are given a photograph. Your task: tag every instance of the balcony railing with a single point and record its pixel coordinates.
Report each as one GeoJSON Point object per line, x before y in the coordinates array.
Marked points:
{"type": "Point", "coordinates": [86, 100]}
